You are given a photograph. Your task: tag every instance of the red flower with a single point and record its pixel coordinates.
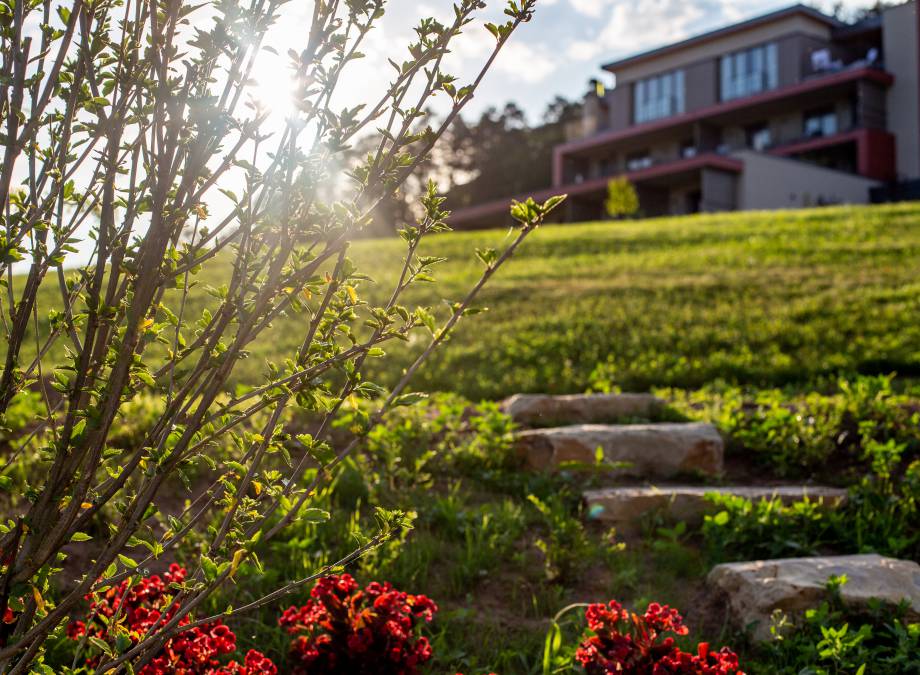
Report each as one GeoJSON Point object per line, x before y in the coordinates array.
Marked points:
{"type": "Point", "coordinates": [255, 662]}
{"type": "Point", "coordinates": [626, 643]}
{"type": "Point", "coordinates": [345, 629]}
{"type": "Point", "coordinates": [149, 603]}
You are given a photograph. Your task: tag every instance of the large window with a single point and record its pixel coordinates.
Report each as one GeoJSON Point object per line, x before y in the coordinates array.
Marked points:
{"type": "Point", "coordinates": [820, 123]}
{"type": "Point", "coordinates": [659, 96]}
{"type": "Point", "coordinates": [750, 71]}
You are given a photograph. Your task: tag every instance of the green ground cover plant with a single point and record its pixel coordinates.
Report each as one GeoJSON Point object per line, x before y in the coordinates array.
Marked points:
{"type": "Point", "coordinates": [832, 639]}
{"type": "Point", "coordinates": [851, 422]}
{"type": "Point", "coordinates": [491, 558]}
{"type": "Point", "coordinates": [475, 544]}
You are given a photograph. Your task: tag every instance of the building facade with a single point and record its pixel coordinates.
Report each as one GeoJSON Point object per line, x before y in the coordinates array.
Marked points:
{"type": "Point", "coordinates": [786, 110]}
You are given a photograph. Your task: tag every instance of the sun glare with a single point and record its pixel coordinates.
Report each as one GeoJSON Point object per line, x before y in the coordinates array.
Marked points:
{"type": "Point", "coordinates": [273, 85]}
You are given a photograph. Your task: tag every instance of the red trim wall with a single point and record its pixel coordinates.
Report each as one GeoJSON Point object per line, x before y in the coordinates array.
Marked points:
{"type": "Point", "coordinates": [876, 151]}
{"type": "Point", "coordinates": [877, 155]}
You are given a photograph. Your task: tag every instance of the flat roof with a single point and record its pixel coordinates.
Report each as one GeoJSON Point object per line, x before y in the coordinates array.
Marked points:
{"type": "Point", "coordinates": [727, 30]}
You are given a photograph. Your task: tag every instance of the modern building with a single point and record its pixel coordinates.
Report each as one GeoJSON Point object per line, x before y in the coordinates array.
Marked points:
{"type": "Point", "coordinates": [790, 109]}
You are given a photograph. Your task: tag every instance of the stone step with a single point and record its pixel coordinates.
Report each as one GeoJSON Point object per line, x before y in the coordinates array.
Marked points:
{"type": "Point", "coordinates": [755, 589]}
{"type": "Point", "coordinates": [624, 507]}
{"type": "Point", "coordinates": [543, 410]}
{"type": "Point", "coordinates": [652, 450]}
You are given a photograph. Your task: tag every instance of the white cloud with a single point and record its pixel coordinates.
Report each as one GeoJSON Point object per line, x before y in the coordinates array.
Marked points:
{"type": "Point", "coordinates": [519, 59]}
{"type": "Point", "coordinates": [531, 64]}
{"type": "Point", "coordinates": [622, 27]}
{"type": "Point", "coordinates": [630, 27]}
{"type": "Point", "coordinates": [591, 8]}
{"type": "Point", "coordinates": [584, 50]}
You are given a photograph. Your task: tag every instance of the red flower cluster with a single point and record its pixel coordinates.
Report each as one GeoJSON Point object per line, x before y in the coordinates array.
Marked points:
{"type": "Point", "coordinates": [149, 604]}
{"type": "Point", "coordinates": [626, 643]}
{"type": "Point", "coordinates": [344, 629]}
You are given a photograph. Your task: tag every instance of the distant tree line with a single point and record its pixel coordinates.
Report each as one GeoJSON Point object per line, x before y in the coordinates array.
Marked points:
{"type": "Point", "coordinates": [857, 14]}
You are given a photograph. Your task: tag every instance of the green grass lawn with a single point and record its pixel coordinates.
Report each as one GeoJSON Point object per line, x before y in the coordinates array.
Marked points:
{"type": "Point", "coordinates": [752, 298]}
{"type": "Point", "coordinates": [762, 299]}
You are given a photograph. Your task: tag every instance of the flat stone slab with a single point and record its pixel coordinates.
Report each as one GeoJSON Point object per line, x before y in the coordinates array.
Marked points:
{"type": "Point", "coordinates": [543, 410]}
{"type": "Point", "coordinates": [625, 506]}
{"type": "Point", "coordinates": [756, 589]}
{"type": "Point", "coordinates": [652, 450]}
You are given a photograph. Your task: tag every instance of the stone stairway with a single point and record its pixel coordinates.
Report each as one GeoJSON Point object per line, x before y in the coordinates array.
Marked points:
{"type": "Point", "coordinates": [755, 589]}
{"type": "Point", "coordinates": [562, 431]}
{"type": "Point", "coordinates": [624, 507]}
{"type": "Point", "coordinates": [662, 450]}
{"type": "Point", "coordinates": [541, 410]}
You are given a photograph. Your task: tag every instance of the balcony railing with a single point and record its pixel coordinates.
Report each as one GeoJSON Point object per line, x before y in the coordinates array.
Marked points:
{"type": "Point", "coordinates": [822, 65]}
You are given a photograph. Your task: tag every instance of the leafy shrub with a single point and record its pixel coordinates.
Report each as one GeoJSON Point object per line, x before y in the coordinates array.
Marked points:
{"type": "Point", "coordinates": [880, 515]}
{"type": "Point", "coordinates": [624, 642]}
{"type": "Point", "coordinates": [566, 547]}
{"type": "Point", "coordinates": [622, 199]}
{"type": "Point", "coordinates": [832, 639]}
{"type": "Point", "coordinates": [745, 529]}
{"type": "Point", "coordinates": [346, 629]}
{"type": "Point", "coordinates": [799, 434]}
{"type": "Point", "coordinates": [121, 615]}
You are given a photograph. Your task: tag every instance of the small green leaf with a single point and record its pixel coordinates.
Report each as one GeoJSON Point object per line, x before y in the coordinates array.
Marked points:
{"type": "Point", "coordinates": [209, 567]}
{"type": "Point", "coordinates": [409, 399]}
{"type": "Point", "coordinates": [126, 561]}
{"type": "Point", "coordinates": [315, 515]}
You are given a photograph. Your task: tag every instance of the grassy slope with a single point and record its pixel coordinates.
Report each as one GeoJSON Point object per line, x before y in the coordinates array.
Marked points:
{"type": "Point", "coordinates": [758, 298]}
{"type": "Point", "coordinates": [753, 298]}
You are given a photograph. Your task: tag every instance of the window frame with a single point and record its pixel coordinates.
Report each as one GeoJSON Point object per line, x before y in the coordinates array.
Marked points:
{"type": "Point", "coordinates": [749, 71]}
{"type": "Point", "coordinates": [659, 96]}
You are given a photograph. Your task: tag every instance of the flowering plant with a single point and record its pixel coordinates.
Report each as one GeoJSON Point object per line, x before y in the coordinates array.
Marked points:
{"type": "Point", "coordinates": [124, 614]}
{"type": "Point", "coordinates": [345, 629]}
{"type": "Point", "coordinates": [624, 642]}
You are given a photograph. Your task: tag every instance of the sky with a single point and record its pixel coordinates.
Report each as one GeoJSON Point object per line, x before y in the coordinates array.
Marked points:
{"type": "Point", "coordinates": [556, 53]}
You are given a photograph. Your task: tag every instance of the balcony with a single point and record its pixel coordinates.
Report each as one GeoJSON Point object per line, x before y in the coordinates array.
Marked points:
{"type": "Point", "coordinates": [822, 63]}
